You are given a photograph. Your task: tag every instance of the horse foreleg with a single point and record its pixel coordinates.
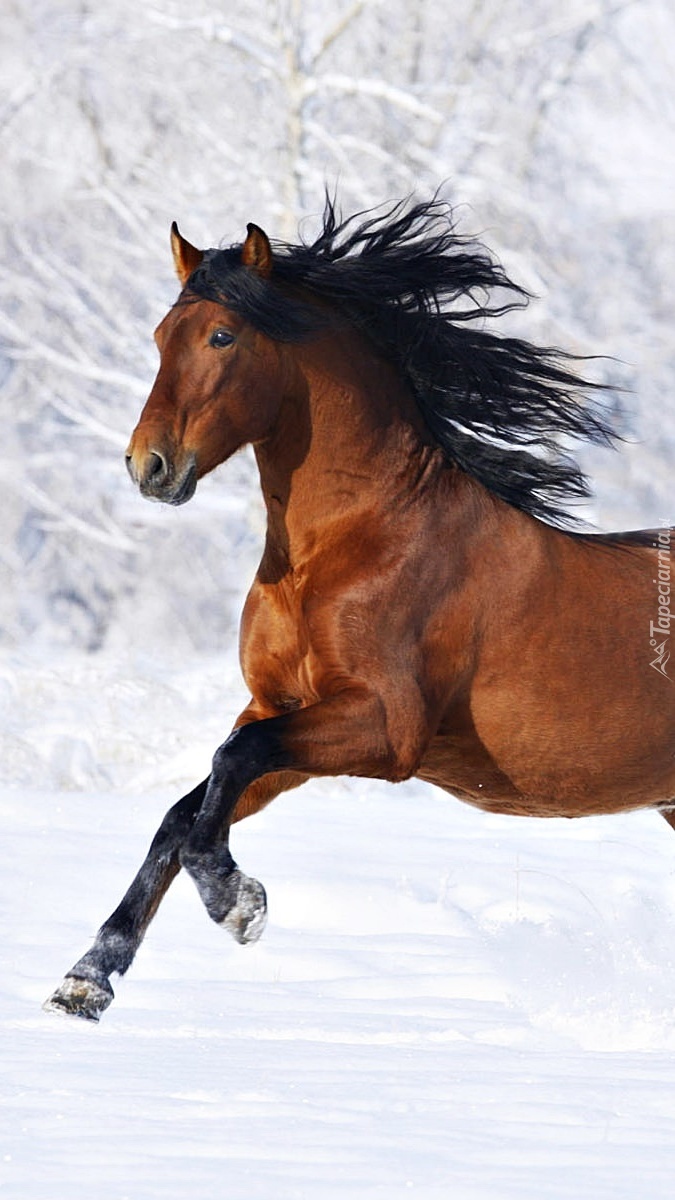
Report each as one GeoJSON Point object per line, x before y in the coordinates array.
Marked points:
{"type": "Point", "coordinates": [86, 990]}
{"type": "Point", "coordinates": [346, 734]}
{"type": "Point", "coordinates": [342, 735]}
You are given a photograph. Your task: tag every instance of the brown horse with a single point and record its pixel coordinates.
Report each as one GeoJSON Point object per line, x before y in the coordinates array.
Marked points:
{"type": "Point", "coordinates": [416, 611]}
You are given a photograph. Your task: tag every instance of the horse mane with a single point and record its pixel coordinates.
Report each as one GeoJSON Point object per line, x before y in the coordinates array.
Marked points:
{"type": "Point", "coordinates": [403, 276]}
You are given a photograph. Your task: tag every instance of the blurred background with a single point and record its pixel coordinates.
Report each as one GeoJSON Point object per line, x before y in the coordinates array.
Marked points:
{"type": "Point", "coordinates": [550, 127]}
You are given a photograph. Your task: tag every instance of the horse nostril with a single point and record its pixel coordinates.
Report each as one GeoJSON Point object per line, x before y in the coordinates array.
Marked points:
{"type": "Point", "coordinates": [151, 473]}
{"type": "Point", "coordinates": [156, 466]}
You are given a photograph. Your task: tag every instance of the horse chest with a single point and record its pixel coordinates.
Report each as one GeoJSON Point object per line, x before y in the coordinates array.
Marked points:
{"type": "Point", "coordinates": [274, 647]}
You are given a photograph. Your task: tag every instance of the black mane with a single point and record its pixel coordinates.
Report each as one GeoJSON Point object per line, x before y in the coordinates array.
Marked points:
{"type": "Point", "coordinates": [420, 292]}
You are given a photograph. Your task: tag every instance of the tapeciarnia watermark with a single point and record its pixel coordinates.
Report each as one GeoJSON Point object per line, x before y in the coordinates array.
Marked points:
{"type": "Point", "coordinates": [659, 630]}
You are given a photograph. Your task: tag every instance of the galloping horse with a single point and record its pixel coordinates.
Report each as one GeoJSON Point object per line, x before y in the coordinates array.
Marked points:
{"type": "Point", "coordinates": [420, 608]}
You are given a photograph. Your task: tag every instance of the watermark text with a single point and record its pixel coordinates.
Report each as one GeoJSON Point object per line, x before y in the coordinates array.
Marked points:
{"type": "Point", "coordinates": [659, 629]}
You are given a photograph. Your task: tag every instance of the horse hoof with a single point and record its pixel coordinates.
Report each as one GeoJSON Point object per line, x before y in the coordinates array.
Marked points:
{"type": "Point", "coordinates": [247, 917]}
{"type": "Point", "coordinates": [83, 998]}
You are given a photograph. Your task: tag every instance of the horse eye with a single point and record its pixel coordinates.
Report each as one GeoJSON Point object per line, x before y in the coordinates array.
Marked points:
{"type": "Point", "coordinates": [220, 338]}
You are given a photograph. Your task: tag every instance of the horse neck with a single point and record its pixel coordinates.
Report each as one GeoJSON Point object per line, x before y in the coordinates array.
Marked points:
{"type": "Point", "coordinates": [349, 432]}
{"type": "Point", "coordinates": [350, 451]}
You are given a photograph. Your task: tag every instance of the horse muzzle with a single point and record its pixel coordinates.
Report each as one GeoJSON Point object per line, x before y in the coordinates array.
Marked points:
{"type": "Point", "coordinates": [158, 478]}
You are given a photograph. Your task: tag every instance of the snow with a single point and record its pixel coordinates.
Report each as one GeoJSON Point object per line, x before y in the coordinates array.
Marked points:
{"type": "Point", "coordinates": [444, 1001]}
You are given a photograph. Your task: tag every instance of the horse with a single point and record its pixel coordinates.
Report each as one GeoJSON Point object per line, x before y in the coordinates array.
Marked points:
{"type": "Point", "coordinates": [424, 606]}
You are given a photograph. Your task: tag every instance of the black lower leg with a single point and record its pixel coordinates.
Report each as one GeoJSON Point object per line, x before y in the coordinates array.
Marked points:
{"type": "Point", "coordinates": [231, 898]}
{"type": "Point", "coordinates": [86, 990]}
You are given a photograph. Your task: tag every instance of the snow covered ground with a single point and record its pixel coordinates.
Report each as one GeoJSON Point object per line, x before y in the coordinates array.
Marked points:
{"type": "Point", "coordinates": [444, 1003]}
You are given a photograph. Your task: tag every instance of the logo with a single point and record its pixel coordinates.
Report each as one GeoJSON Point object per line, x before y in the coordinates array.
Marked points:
{"type": "Point", "coordinates": [662, 657]}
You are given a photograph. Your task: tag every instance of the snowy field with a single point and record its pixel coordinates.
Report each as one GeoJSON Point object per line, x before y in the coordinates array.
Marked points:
{"type": "Point", "coordinates": [444, 1003]}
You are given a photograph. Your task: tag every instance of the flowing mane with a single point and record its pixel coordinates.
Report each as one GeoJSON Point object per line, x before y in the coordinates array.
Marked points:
{"type": "Point", "coordinates": [421, 292]}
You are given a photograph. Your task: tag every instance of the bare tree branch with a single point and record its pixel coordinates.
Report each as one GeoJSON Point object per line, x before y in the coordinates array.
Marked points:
{"type": "Point", "coordinates": [379, 88]}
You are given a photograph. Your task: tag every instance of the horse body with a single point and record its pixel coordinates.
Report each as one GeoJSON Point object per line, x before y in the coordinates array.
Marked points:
{"type": "Point", "coordinates": [405, 620]}
{"type": "Point", "coordinates": [496, 678]}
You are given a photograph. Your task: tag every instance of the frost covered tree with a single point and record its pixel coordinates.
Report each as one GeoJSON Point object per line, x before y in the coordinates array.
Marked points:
{"type": "Point", "coordinates": [552, 128]}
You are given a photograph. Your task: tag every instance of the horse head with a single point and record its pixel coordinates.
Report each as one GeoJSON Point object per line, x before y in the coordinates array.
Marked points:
{"type": "Point", "coordinates": [220, 380]}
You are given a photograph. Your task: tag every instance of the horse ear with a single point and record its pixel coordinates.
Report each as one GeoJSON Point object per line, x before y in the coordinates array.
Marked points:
{"type": "Point", "coordinates": [256, 253]}
{"type": "Point", "coordinates": [186, 258]}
